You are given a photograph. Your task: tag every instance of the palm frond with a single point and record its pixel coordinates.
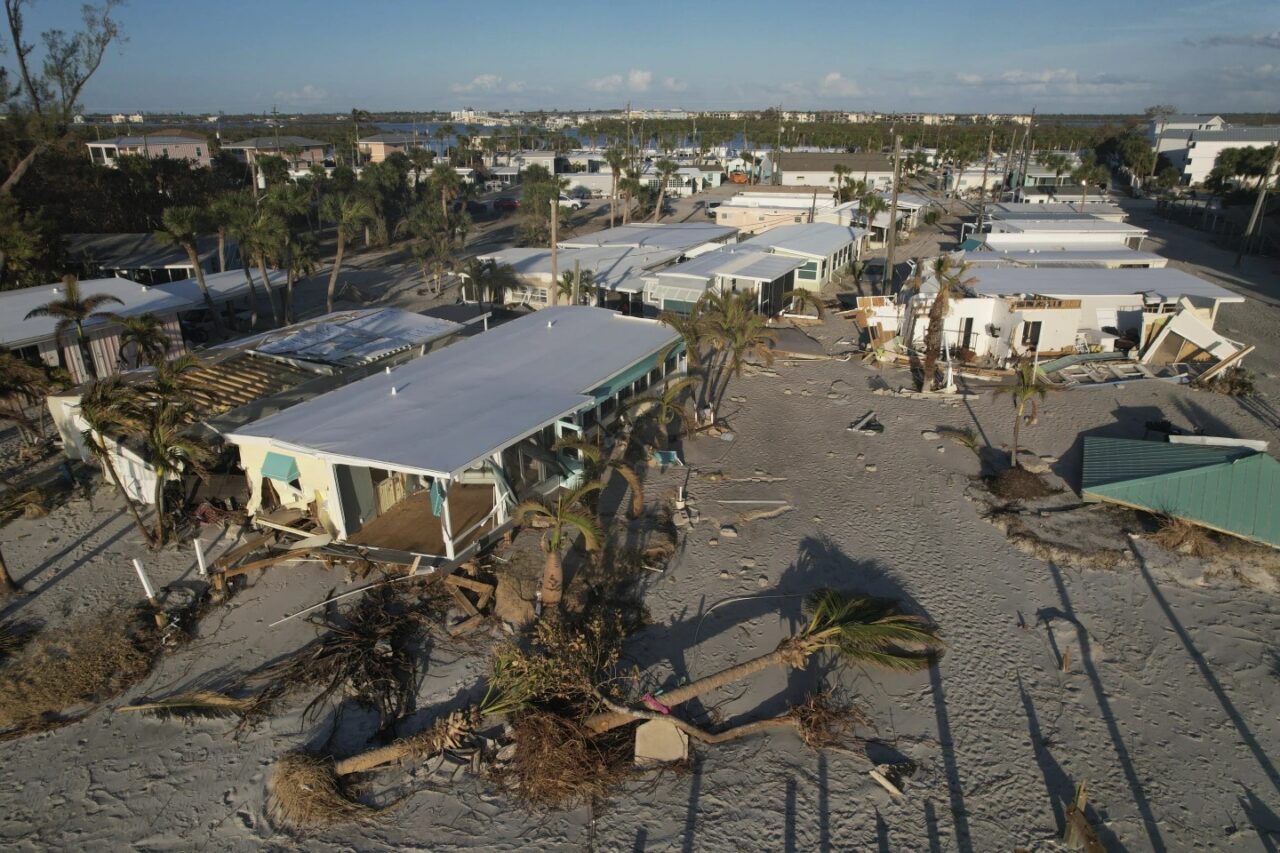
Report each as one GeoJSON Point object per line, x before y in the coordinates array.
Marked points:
{"type": "Point", "coordinates": [588, 448]}
{"type": "Point", "coordinates": [198, 704]}
{"type": "Point", "coordinates": [585, 524]}
{"type": "Point", "coordinates": [629, 474]}
{"type": "Point", "coordinates": [863, 629]}
{"type": "Point", "coordinates": [529, 509]}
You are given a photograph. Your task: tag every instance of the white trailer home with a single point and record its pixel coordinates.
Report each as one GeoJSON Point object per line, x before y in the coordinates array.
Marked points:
{"type": "Point", "coordinates": [429, 458]}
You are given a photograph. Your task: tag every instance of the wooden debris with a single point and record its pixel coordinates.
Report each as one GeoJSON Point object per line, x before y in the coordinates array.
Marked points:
{"type": "Point", "coordinates": [244, 549]}
{"type": "Point", "coordinates": [1078, 832]}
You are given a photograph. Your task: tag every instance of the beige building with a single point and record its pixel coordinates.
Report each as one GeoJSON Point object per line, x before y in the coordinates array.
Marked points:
{"type": "Point", "coordinates": [379, 146]}
{"type": "Point", "coordinates": [296, 150]}
{"type": "Point", "coordinates": [175, 145]}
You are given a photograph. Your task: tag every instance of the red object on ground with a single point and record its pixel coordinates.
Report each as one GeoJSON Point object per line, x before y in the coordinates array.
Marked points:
{"type": "Point", "coordinates": [654, 704]}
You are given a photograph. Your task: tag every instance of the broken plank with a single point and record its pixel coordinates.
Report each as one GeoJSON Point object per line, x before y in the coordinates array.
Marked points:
{"type": "Point", "coordinates": [467, 583]}
{"type": "Point", "coordinates": [264, 563]}
{"type": "Point", "coordinates": [245, 549]}
{"type": "Point", "coordinates": [463, 601]}
{"type": "Point", "coordinates": [466, 626]}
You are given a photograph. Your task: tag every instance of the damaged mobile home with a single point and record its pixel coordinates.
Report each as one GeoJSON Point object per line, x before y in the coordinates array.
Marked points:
{"type": "Point", "coordinates": [428, 460]}
{"type": "Point", "coordinates": [1152, 318]}
{"type": "Point", "coordinates": [248, 379]}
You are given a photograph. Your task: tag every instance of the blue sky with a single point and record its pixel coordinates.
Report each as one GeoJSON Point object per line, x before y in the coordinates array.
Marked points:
{"type": "Point", "coordinates": [999, 56]}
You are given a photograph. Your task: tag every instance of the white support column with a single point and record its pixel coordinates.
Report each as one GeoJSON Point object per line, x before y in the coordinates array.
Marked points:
{"type": "Point", "coordinates": [446, 523]}
{"type": "Point", "coordinates": [334, 502]}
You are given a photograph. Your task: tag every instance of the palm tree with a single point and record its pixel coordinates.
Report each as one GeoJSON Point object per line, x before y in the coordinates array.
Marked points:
{"type": "Point", "coordinates": [801, 298]}
{"type": "Point", "coordinates": [871, 205]}
{"type": "Point", "coordinates": [1057, 162]}
{"type": "Point", "coordinates": [839, 171]}
{"type": "Point", "coordinates": [72, 309]}
{"type": "Point", "coordinates": [110, 406]}
{"type": "Point", "coordinates": [181, 228]}
{"type": "Point", "coordinates": [350, 214]}
{"type": "Point", "coordinates": [222, 211]}
{"type": "Point", "coordinates": [566, 513]}
{"type": "Point", "coordinates": [299, 262]}
{"type": "Point", "coordinates": [171, 452]}
{"type": "Point", "coordinates": [489, 278]}
{"type": "Point", "coordinates": [420, 158]}
{"type": "Point", "coordinates": [1090, 172]}
{"type": "Point", "coordinates": [616, 158]}
{"type": "Point", "coordinates": [631, 188]}
{"type": "Point", "coordinates": [692, 328]}
{"type": "Point", "coordinates": [22, 384]}
{"type": "Point", "coordinates": [666, 407]}
{"type": "Point", "coordinates": [576, 287]}
{"type": "Point", "coordinates": [596, 467]}
{"type": "Point", "coordinates": [146, 334]}
{"type": "Point", "coordinates": [446, 183]}
{"type": "Point", "coordinates": [240, 219]}
{"type": "Point", "coordinates": [1027, 390]}
{"type": "Point", "coordinates": [666, 169]}
{"type": "Point", "coordinates": [266, 233]}
{"type": "Point", "coordinates": [736, 332]}
{"type": "Point", "coordinates": [855, 629]}
{"type": "Point", "coordinates": [951, 283]}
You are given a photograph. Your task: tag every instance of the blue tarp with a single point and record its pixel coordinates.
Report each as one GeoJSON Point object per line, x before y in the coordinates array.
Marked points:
{"type": "Point", "coordinates": [277, 466]}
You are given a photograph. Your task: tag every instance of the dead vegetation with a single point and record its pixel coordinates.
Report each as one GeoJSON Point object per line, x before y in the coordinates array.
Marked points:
{"type": "Point", "coordinates": [821, 722]}
{"type": "Point", "coordinates": [304, 791]}
{"type": "Point", "coordinates": [1183, 537]}
{"type": "Point", "coordinates": [1018, 484]}
{"type": "Point", "coordinates": [57, 675]}
{"type": "Point", "coordinates": [1008, 518]}
{"type": "Point", "coordinates": [558, 764]}
{"type": "Point", "coordinates": [1235, 382]}
{"type": "Point", "coordinates": [965, 437]}
{"type": "Point", "coordinates": [15, 635]}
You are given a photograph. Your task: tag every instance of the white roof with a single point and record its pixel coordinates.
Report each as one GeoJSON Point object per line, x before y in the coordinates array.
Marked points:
{"type": "Point", "coordinates": [184, 295]}
{"type": "Point", "coordinates": [1075, 257]}
{"type": "Point", "coordinates": [1065, 225]}
{"type": "Point", "coordinates": [741, 261]}
{"type": "Point", "coordinates": [817, 239]}
{"type": "Point", "coordinates": [658, 235]}
{"type": "Point", "coordinates": [609, 265]}
{"type": "Point", "coordinates": [1052, 209]}
{"type": "Point", "coordinates": [455, 406]}
{"type": "Point", "coordinates": [1070, 282]}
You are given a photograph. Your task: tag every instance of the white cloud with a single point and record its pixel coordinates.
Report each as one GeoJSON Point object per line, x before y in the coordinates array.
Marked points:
{"type": "Point", "coordinates": [307, 95]}
{"type": "Point", "coordinates": [479, 83]}
{"type": "Point", "coordinates": [836, 84]}
{"type": "Point", "coordinates": [638, 81]}
{"type": "Point", "coordinates": [1261, 74]}
{"type": "Point", "coordinates": [671, 84]}
{"type": "Point", "coordinates": [610, 83]}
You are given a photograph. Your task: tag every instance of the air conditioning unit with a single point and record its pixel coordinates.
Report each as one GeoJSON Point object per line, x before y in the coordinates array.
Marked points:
{"type": "Point", "coordinates": [993, 330]}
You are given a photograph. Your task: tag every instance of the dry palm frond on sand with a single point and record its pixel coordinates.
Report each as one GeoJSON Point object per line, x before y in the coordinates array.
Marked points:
{"type": "Point", "coordinates": [198, 704]}
{"type": "Point", "coordinates": [821, 722]}
{"type": "Point", "coordinates": [83, 665]}
{"type": "Point", "coordinates": [15, 635]}
{"type": "Point", "coordinates": [1181, 536]}
{"type": "Point", "coordinates": [558, 763]}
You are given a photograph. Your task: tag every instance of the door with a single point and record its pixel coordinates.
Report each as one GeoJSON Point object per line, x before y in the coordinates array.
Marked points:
{"type": "Point", "coordinates": [356, 494]}
{"type": "Point", "coordinates": [1031, 334]}
{"type": "Point", "coordinates": [966, 334]}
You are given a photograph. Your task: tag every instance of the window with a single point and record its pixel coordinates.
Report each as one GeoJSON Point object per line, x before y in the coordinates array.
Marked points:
{"type": "Point", "coordinates": [809, 271]}
{"type": "Point", "coordinates": [199, 153]}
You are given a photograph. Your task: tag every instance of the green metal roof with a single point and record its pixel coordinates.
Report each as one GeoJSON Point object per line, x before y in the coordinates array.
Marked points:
{"type": "Point", "coordinates": [1081, 358]}
{"type": "Point", "coordinates": [1231, 489]}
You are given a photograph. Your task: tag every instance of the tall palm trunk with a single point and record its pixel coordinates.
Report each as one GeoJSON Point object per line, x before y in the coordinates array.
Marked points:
{"type": "Point", "coordinates": [100, 448]}
{"type": "Point", "coordinates": [932, 343]}
{"type": "Point", "coordinates": [266, 284]}
{"type": "Point", "coordinates": [657, 210]}
{"type": "Point", "coordinates": [204, 288]}
{"type": "Point", "coordinates": [337, 265]}
{"type": "Point", "coordinates": [222, 250]}
{"type": "Point", "coordinates": [253, 293]}
{"type": "Point", "coordinates": [1017, 426]}
{"type": "Point", "coordinates": [161, 529]}
{"type": "Point", "coordinates": [552, 579]}
{"type": "Point", "coordinates": [788, 653]}
{"type": "Point", "coordinates": [86, 354]}
{"type": "Point", "coordinates": [613, 206]}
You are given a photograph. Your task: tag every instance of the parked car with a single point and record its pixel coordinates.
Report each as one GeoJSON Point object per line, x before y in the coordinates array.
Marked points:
{"type": "Point", "coordinates": [571, 203]}
{"type": "Point", "coordinates": [711, 208]}
{"type": "Point", "coordinates": [505, 204]}
{"type": "Point", "coordinates": [475, 207]}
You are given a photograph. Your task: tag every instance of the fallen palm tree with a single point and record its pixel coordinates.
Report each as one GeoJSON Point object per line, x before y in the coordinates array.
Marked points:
{"type": "Point", "coordinates": [307, 790]}
{"type": "Point", "coordinates": [857, 629]}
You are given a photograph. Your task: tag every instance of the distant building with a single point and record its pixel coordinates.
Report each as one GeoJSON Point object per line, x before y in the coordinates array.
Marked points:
{"type": "Point", "coordinates": [818, 170]}
{"type": "Point", "coordinates": [1197, 159]}
{"type": "Point", "coordinates": [468, 115]}
{"type": "Point", "coordinates": [137, 118]}
{"type": "Point", "coordinates": [174, 145]}
{"type": "Point", "coordinates": [142, 258]}
{"type": "Point", "coordinates": [1172, 133]}
{"type": "Point", "coordinates": [380, 146]}
{"type": "Point", "coordinates": [77, 119]}
{"type": "Point", "coordinates": [296, 150]}
{"type": "Point", "coordinates": [119, 118]}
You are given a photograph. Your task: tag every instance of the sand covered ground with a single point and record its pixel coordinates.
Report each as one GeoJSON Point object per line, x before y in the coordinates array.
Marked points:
{"type": "Point", "coordinates": [1166, 707]}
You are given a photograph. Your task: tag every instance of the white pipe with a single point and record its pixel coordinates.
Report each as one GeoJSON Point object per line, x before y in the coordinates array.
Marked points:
{"type": "Point", "coordinates": [204, 568]}
{"type": "Point", "coordinates": [146, 584]}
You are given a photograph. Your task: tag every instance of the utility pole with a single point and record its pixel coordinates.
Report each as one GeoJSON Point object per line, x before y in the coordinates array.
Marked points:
{"type": "Point", "coordinates": [577, 282]}
{"type": "Point", "coordinates": [982, 204]}
{"type": "Point", "coordinates": [813, 206]}
{"type": "Point", "coordinates": [555, 269]}
{"type": "Point", "coordinates": [893, 216]}
{"type": "Point", "coordinates": [1258, 203]}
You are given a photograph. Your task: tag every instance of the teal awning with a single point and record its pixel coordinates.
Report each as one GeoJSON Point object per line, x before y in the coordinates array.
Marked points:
{"type": "Point", "coordinates": [636, 371]}
{"type": "Point", "coordinates": [971, 245]}
{"type": "Point", "coordinates": [277, 466]}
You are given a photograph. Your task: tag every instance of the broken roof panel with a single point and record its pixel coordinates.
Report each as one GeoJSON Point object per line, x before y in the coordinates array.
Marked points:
{"type": "Point", "coordinates": [1170, 284]}
{"type": "Point", "coordinates": [356, 337]}
{"type": "Point", "coordinates": [1230, 489]}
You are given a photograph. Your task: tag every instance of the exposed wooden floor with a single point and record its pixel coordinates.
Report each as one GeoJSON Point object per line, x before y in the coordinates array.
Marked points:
{"type": "Point", "coordinates": [410, 526]}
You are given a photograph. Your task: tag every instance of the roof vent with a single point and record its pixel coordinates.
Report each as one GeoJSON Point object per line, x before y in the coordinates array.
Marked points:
{"type": "Point", "coordinates": [387, 370]}
{"type": "Point", "coordinates": [393, 390]}
{"type": "Point", "coordinates": [550, 323]}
